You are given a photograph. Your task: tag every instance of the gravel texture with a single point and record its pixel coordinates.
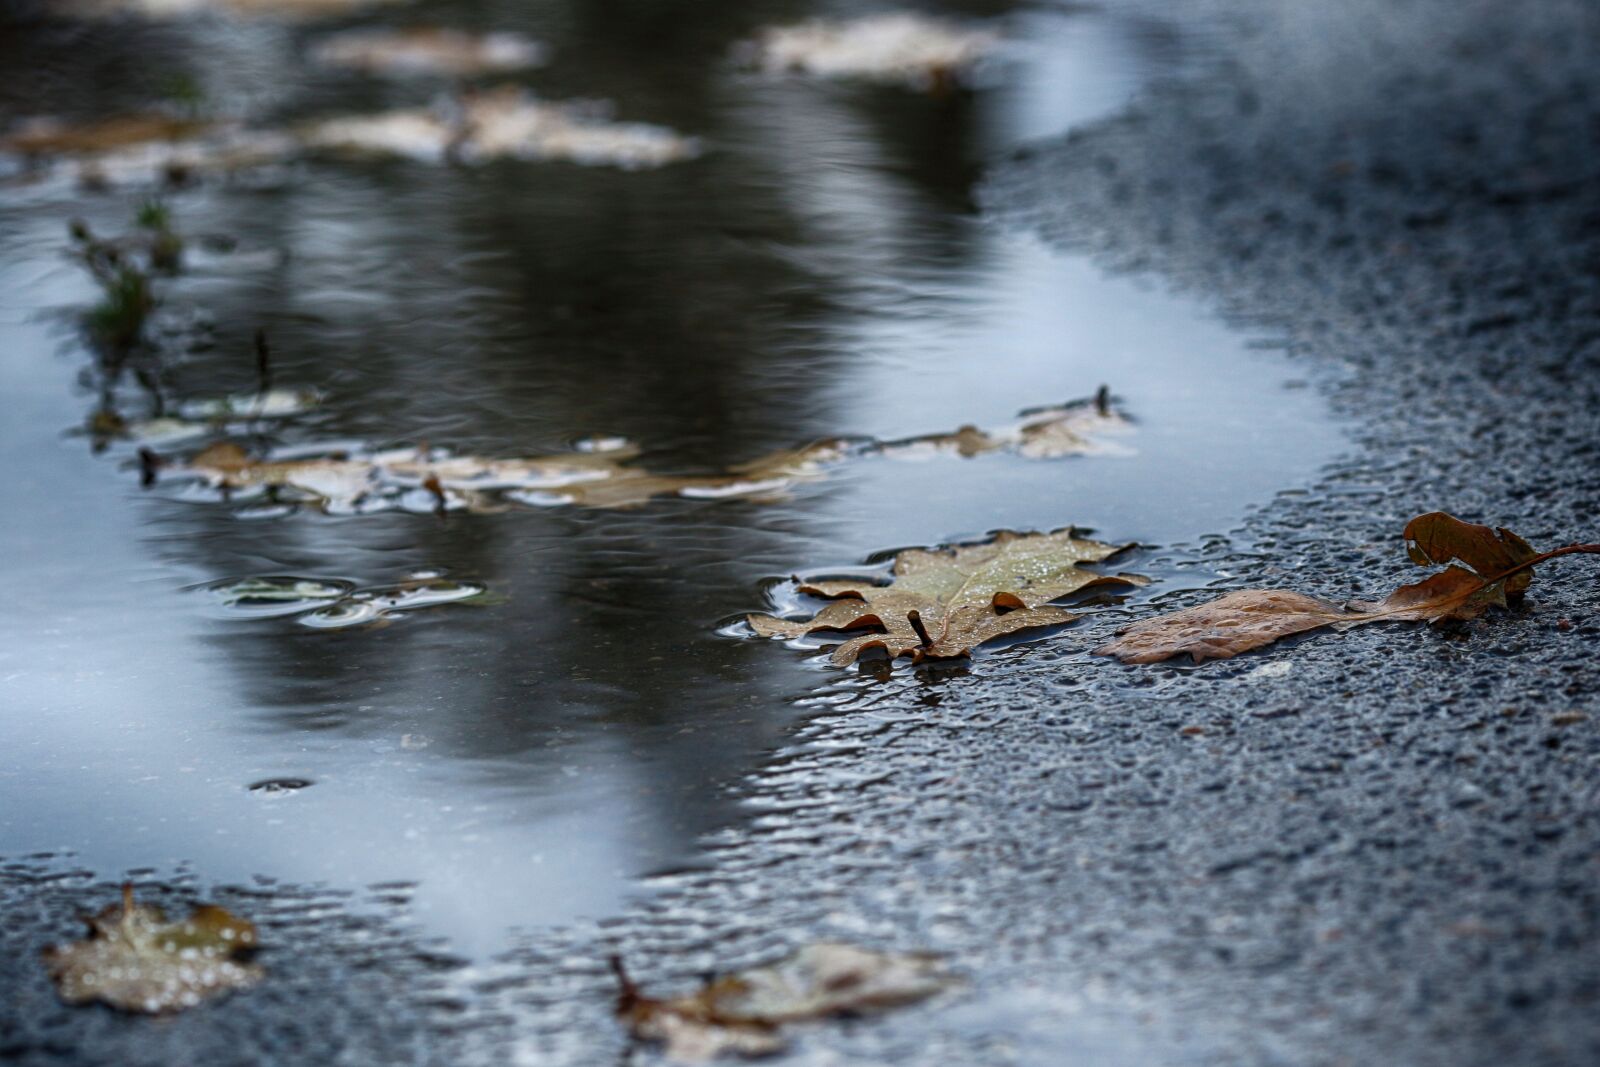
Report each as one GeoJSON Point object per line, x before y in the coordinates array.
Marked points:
{"type": "Point", "coordinates": [1376, 847]}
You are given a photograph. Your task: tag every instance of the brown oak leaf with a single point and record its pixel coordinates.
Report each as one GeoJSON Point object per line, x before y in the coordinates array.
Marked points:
{"type": "Point", "coordinates": [944, 602]}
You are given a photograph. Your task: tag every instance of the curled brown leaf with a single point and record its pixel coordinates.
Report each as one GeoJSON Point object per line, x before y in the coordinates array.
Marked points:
{"type": "Point", "coordinates": [1501, 564]}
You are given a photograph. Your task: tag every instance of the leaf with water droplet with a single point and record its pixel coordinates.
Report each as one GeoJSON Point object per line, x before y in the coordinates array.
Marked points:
{"type": "Point", "coordinates": [742, 1013]}
{"type": "Point", "coordinates": [135, 960]}
{"type": "Point", "coordinates": [944, 602]}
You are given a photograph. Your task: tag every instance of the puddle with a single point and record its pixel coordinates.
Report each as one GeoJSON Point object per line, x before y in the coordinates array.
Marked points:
{"type": "Point", "coordinates": [816, 272]}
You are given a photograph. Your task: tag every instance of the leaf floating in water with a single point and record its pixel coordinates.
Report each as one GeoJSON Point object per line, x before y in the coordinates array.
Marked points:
{"type": "Point", "coordinates": [944, 602]}
{"type": "Point", "coordinates": [51, 137]}
{"type": "Point", "coordinates": [1078, 428]}
{"type": "Point", "coordinates": [428, 50]}
{"type": "Point", "coordinates": [270, 404]}
{"type": "Point", "coordinates": [133, 959]}
{"type": "Point", "coordinates": [1499, 564]}
{"type": "Point", "coordinates": [338, 485]}
{"type": "Point", "coordinates": [503, 123]}
{"type": "Point", "coordinates": [279, 10]}
{"type": "Point", "coordinates": [902, 49]}
{"type": "Point", "coordinates": [741, 1014]}
{"type": "Point", "coordinates": [146, 147]}
{"type": "Point", "coordinates": [598, 475]}
{"type": "Point", "coordinates": [269, 597]}
{"type": "Point", "coordinates": [325, 604]}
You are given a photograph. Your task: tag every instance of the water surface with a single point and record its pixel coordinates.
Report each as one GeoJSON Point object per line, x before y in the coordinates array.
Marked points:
{"type": "Point", "coordinates": [524, 759]}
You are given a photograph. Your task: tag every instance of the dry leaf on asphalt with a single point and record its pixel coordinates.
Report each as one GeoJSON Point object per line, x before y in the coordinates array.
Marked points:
{"type": "Point", "coordinates": [741, 1014]}
{"type": "Point", "coordinates": [133, 959]}
{"type": "Point", "coordinates": [1498, 565]}
{"type": "Point", "coordinates": [944, 602]}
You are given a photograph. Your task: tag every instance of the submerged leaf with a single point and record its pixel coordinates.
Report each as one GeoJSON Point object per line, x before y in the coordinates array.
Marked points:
{"type": "Point", "coordinates": [428, 50]}
{"type": "Point", "coordinates": [740, 1014]}
{"type": "Point", "coordinates": [1238, 622]}
{"type": "Point", "coordinates": [135, 960]}
{"type": "Point", "coordinates": [900, 48]}
{"type": "Point", "coordinates": [944, 602]}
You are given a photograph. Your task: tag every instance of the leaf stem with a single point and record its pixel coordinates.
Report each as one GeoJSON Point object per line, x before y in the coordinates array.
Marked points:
{"type": "Point", "coordinates": [1486, 582]}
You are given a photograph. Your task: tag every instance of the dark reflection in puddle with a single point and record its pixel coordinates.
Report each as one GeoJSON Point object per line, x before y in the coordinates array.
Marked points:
{"type": "Point", "coordinates": [817, 272]}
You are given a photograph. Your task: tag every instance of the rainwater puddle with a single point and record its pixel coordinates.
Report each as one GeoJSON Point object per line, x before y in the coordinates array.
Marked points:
{"type": "Point", "coordinates": [525, 756]}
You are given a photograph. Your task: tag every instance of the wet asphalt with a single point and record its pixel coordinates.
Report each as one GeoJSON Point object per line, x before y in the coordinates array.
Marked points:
{"type": "Point", "coordinates": [1382, 846]}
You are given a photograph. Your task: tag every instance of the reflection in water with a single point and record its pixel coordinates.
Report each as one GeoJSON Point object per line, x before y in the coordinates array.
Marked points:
{"type": "Point", "coordinates": [817, 272]}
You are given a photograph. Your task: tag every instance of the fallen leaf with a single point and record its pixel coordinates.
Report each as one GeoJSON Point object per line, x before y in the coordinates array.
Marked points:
{"type": "Point", "coordinates": [427, 50]}
{"type": "Point", "coordinates": [280, 10]}
{"type": "Point", "coordinates": [897, 48]}
{"type": "Point", "coordinates": [597, 474]}
{"type": "Point", "coordinates": [365, 606]}
{"type": "Point", "coordinates": [944, 602]}
{"type": "Point", "coordinates": [502, 123]}
{"type": "Point", "coordinates": [741, 1014]}
{"type": "Point", "coordinates": [51, 137]}
{"type": "Point", "coordinates": [270, 404]}
{"type": "Point", "coordinates": [145, 148]}
{"type": "Point", "coordinates": [1500, 565]}
{"type": "Point", "coordinates": [1080, 427]}
{"type": "Point", "coordinates": [335, 484]}
{"type": "Point", "coordinates": [1437, 539]}
{"type": "Point", "coordinates": [133, 959]}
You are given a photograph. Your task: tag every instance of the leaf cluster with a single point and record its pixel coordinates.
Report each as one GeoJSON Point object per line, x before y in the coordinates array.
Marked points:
{"type": "Point", "coordinates": [1483, 568]}
{"type": "Point", "coordinates": [602, 476]}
